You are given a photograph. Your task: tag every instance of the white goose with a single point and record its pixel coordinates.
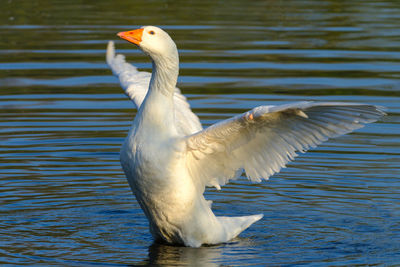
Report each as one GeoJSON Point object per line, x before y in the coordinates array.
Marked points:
{"type": "Point", "coordinates": [169, 159]}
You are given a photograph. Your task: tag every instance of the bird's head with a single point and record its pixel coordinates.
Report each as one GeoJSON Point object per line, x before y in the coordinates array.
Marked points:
{"type": "Point", "coordinates": [151, 40]}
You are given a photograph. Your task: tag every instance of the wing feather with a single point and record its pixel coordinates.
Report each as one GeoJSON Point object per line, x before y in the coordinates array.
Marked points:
{"type": "Point", "coordinates": [263, 140]}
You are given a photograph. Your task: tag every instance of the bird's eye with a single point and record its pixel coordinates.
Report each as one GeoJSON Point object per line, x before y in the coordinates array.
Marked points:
{"type": "Point", "coordinates": [152, 32]}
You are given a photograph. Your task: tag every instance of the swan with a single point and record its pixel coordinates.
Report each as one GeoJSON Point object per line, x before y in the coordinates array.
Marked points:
{"type": "Point", "coordinates": [169, 159]}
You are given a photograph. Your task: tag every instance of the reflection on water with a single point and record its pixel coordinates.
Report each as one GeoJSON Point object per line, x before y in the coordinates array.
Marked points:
{"type": "Point", "coordinates": [239, 250]}
{"type": "Point", "coordinates": [171, 255]}
{"type": "Point", "coordinates": [64, 199]}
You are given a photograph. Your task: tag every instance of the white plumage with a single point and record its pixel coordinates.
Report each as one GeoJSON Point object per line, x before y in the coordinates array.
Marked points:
{"type": "Point", "coordinates": [136, 84]}
{"type": "Point", "coordinates": [168, 158]}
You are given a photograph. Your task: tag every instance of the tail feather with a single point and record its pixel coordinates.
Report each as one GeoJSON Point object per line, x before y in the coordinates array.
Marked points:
{"type": "Point", "coordinates": [233, 226]}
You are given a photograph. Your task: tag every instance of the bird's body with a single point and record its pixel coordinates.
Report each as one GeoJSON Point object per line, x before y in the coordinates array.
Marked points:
{"type": "Point", "coordinates": [168, 158]}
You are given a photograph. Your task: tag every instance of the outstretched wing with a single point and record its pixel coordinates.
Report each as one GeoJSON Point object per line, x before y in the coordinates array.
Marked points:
{"type": "Point", "coordinates": [136, 83]}
{"type": "Point", "coordinates": [262, 140]}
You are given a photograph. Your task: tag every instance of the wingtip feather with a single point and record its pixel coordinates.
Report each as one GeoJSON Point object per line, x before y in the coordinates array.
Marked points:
{"type": "Point", "coordinates": [110, 55]}
{"type": "Point", "coordinates": [382, 110]}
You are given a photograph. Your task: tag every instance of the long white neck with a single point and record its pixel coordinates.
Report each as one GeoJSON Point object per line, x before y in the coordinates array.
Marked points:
{"type": "Point", "coordinates": [165, 74]}
{"type": "Point", "coordinates": [157, 110]}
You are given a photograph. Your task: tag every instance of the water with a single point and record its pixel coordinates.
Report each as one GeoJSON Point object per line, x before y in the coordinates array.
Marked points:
{"type": "Point", "coordinates": [64, 199]}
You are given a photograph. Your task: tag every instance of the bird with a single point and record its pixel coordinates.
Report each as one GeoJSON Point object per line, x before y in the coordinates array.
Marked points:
{"type": "Point", "coordinates": [169, 159]}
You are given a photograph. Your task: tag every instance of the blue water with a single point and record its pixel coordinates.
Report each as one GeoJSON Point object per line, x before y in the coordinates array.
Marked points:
{"type": "Point", "coordinates": [64, 198]}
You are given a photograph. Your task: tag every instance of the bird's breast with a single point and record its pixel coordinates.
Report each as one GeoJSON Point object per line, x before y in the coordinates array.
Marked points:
{"type": "Point", "coordinates": [156, 172]}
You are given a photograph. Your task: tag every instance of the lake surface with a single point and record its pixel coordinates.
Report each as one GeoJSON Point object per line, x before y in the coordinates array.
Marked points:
{"type": "Point", "coordinates": [64, 199]}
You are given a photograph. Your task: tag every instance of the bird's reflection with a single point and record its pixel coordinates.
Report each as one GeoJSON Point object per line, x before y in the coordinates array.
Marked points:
{"type": "Point", "coordinates": [168, 255]}
{"type": "Point", "coordinates": [162, 254]}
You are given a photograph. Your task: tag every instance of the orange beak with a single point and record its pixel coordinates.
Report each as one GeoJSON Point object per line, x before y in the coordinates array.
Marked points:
{"type": "Point", "coordinates": [133, 36]}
